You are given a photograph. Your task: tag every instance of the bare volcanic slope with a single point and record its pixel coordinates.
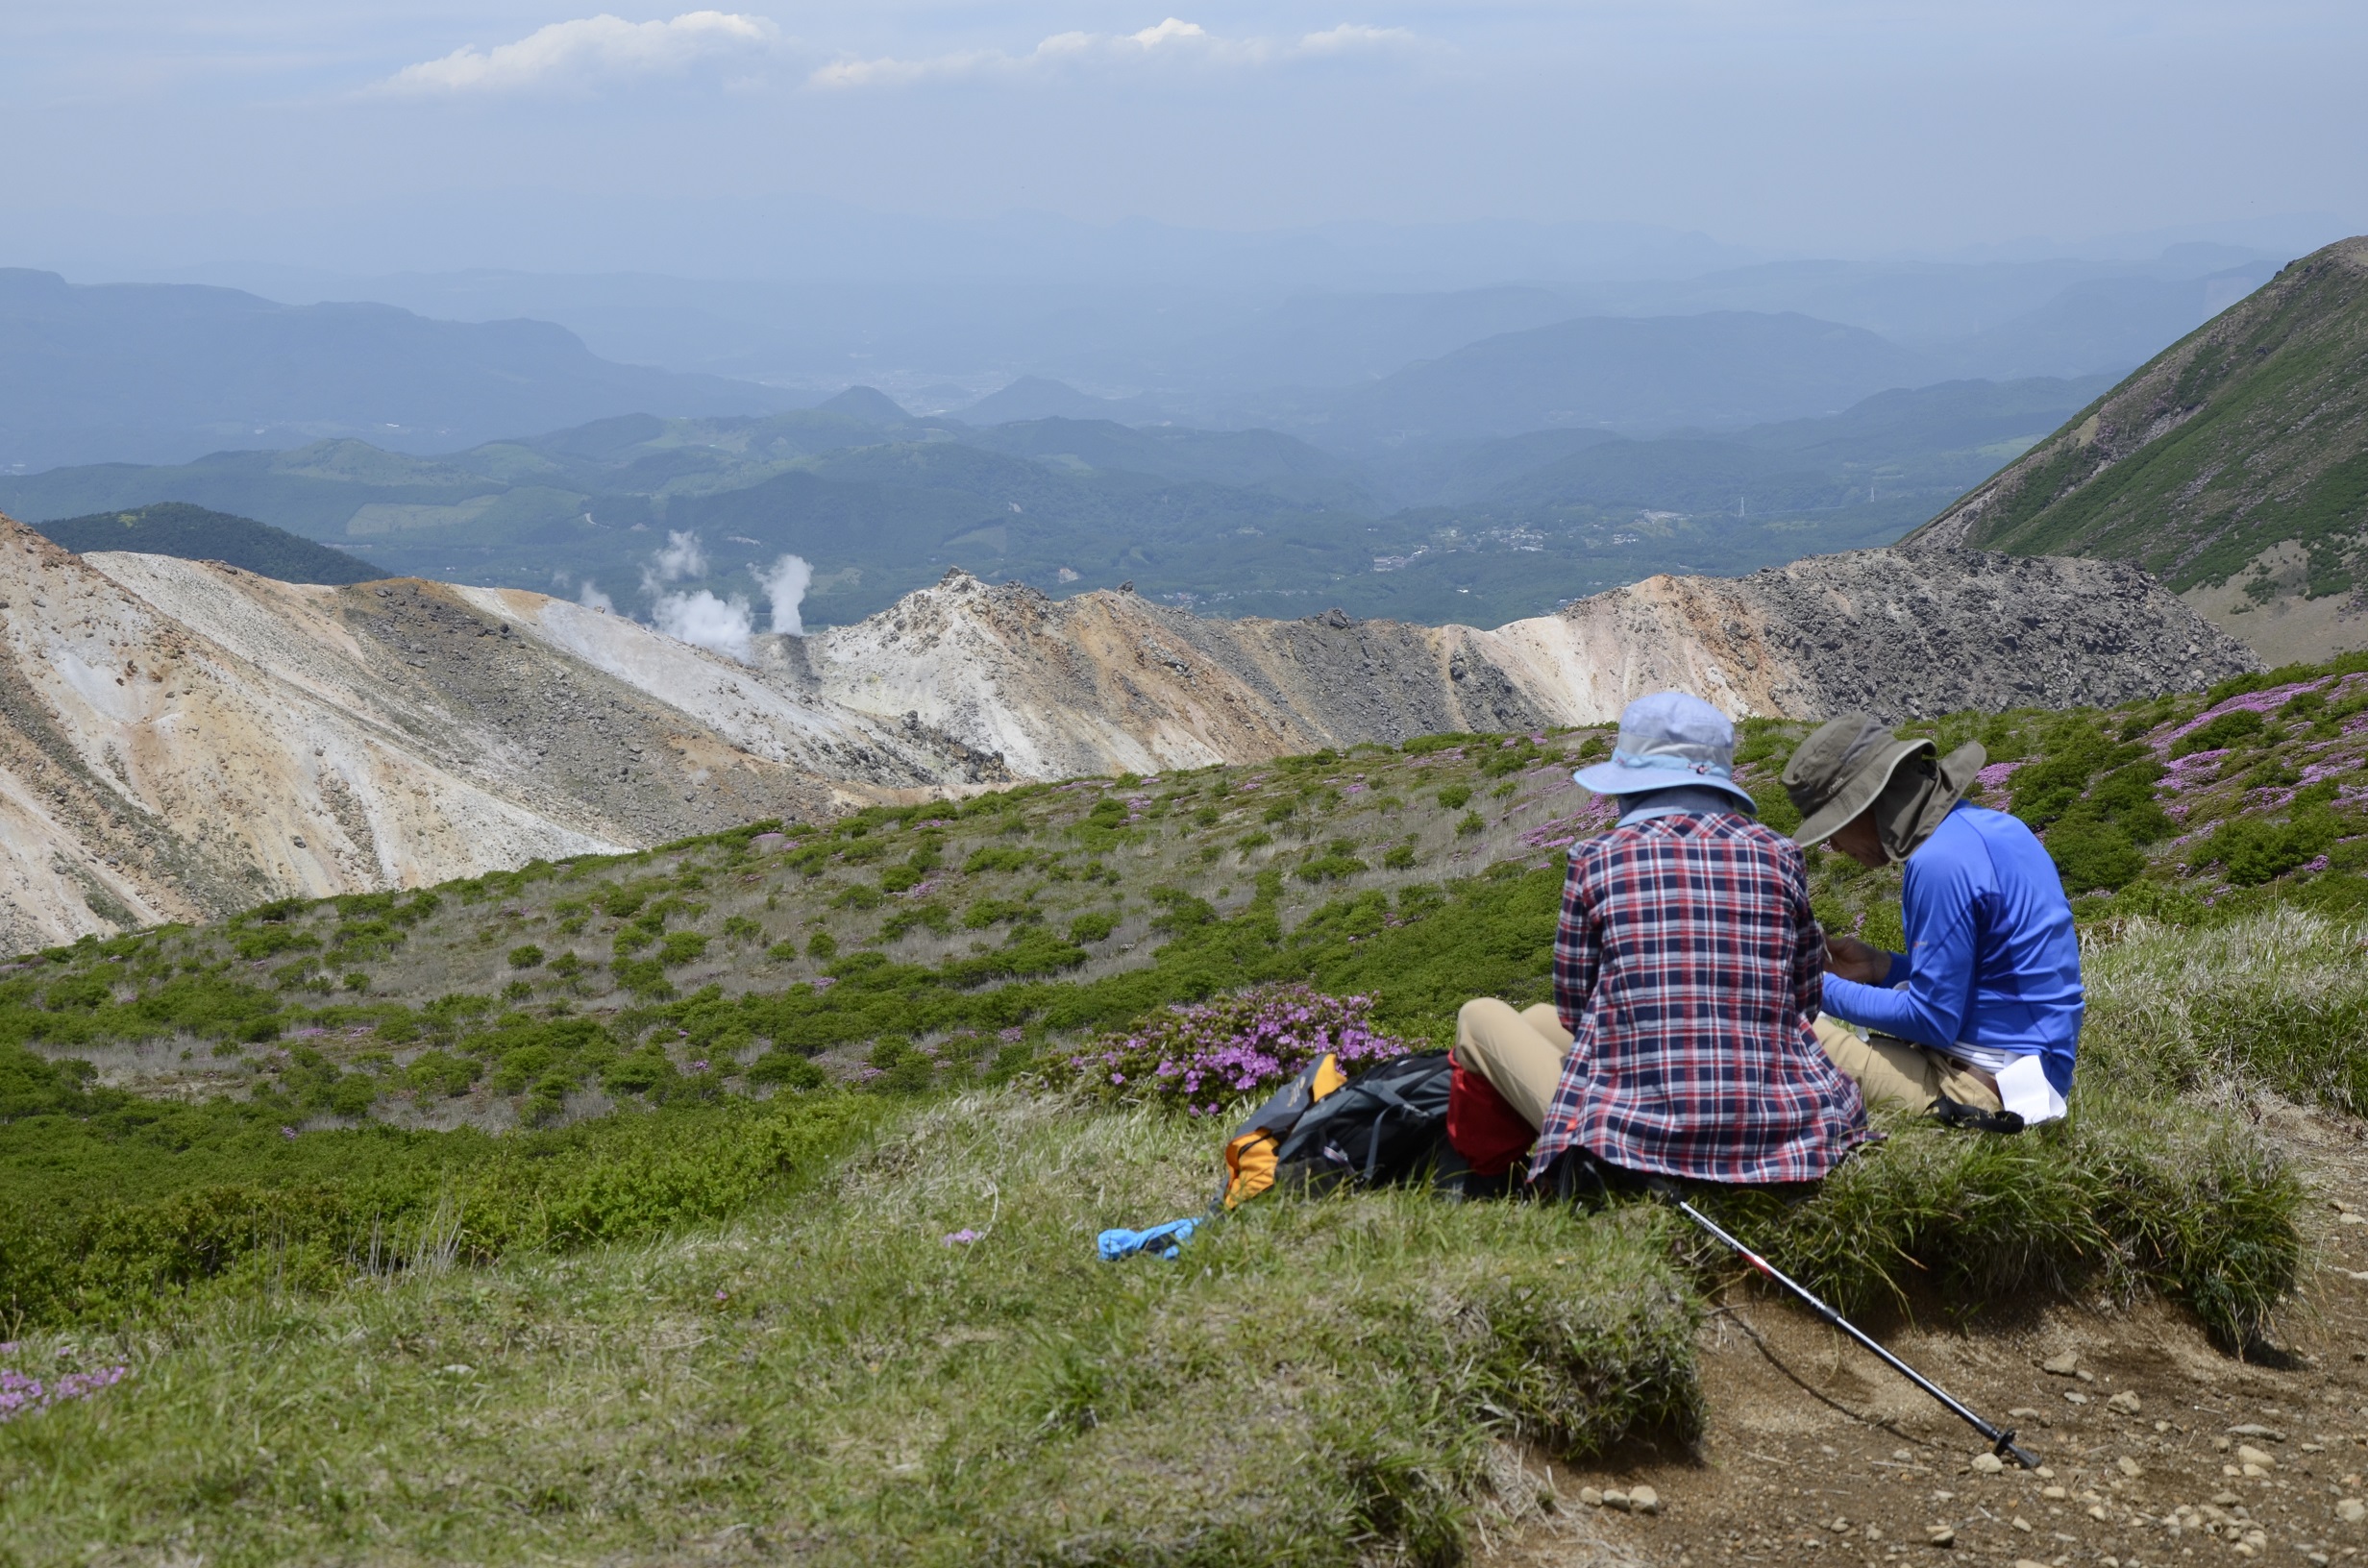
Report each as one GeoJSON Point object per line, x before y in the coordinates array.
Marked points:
{"type": "Point", "coordinates": [181, 739]}
{"type": "Point", "coordinates": [2235, 466]}
{"type": "Point", "coordinates": [1111, 681]}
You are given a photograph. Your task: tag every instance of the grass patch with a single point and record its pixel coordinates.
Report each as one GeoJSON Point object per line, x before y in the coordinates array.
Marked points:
{"type": "Point", "coordinates": [2276, 1000]}
{"type": "Point", "coordinates": [2125, 1197]}
{"type": "Point", "coordinates": [1316, 1384]}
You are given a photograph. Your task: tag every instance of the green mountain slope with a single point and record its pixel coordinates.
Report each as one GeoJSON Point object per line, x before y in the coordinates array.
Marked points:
{"type": "Point", "coordinates": [2236, 461]}
{"type": "Point", "coordinates": [195, 534]}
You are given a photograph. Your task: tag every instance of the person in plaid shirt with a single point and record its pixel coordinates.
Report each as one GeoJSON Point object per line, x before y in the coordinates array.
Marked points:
{"type": "Point", "coordinates": [1686, 973]}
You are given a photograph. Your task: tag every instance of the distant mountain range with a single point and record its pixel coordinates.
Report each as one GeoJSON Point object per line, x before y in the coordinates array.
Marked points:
{"type": "Point", "coordinates": [2233, 465]}
{"type": "Point", "coordinates": [879, 502]}
{"type": "Point", "coordinates": [166, 372]}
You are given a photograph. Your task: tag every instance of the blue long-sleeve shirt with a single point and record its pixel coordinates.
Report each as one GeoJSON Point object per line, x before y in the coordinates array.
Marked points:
{"type": "Point", "coordinates": [1992, 960]}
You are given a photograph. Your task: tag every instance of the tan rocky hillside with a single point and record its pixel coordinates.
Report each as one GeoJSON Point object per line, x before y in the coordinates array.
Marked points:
{"type": "Point", "coordinates": [181, 739]}
{"type": "Point", "coordinates": [2233, 465]}
{"type": "Point", "coordinates": [1107, 681]}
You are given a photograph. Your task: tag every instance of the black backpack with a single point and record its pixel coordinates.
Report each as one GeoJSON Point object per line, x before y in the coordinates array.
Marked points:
{"type": "Point", "coordinates": [1382, 1125]}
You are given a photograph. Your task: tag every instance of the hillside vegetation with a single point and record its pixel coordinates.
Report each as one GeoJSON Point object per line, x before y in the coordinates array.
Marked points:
{"type": "Point", "coordinates": [745, 1189]}
{"type": "Point", "coordinates": [195, 534]}
{"type": "Point", "coordinates": [2238, 456]}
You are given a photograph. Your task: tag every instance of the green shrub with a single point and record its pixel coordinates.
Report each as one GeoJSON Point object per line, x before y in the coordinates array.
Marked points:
{"type": "Point", "coordinates": [681, 948]}
{"type": "Point", "coordinates": [932, 914]}
{"type": "Point", "coordinates": [1453, 797]}
{"type": "Point", "coordinates": [525, 956]}
{"type": "Point", "coordinates": [245, 1209]}
{"type": "Point", "coordinates": [1094, 925]}
{"type": "Point", "coordinates": [1470, 824]}
{"type": "Point", "coordinates": [2235, 727]}
{"type": "Point", "coordinates": [2091, 851]}
{"type": "Point", "coordinates": [2253, 849]}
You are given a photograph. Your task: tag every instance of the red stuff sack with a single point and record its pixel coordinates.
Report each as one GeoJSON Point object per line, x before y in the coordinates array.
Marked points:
{"type": "Point", "coordinates": [1482, 1126]}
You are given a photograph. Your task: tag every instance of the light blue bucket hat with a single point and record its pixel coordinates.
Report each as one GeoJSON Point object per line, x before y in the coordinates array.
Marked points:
{"type": "Point", "coordinates": [1667, 740]}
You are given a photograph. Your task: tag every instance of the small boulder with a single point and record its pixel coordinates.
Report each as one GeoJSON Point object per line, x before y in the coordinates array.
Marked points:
{"type": "Point", "coordinates": [1591, 1496]}
{"type": "Point", "coordinates": [1644, 1499]}
{"type": "Point", "coordinates": [2126, 1401]}
{"type": "Point", "coordinates": [2063, 1365]}
{"type": "Point", "coordinates": [1987, 1463]}
{"type": "Point", "coordinates": [1615, 1498]}
{"type": "Point", "coordinates": [2128, 1466]}
{"type": "Point", "coordinates": [2352, 1511]}
{"type": "Point", "coordinates": [1939, 1535]}
{"type": "Point", "coordinates": [2247, 1453]}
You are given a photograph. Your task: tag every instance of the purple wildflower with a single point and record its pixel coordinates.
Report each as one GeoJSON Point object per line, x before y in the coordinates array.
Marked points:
{"type": "Point", "coordinates": [961, 1238]}
{"type": "Point", "coordinates": [1237, 1045]}
{"type": "Point", "coordinates": [22, 1395]}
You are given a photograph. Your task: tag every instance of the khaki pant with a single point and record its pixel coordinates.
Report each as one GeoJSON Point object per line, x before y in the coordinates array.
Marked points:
{"type": "Point", "coordinates": [1520, 1054]}
{"type": "Point", "coordinates": [1904, 1074]}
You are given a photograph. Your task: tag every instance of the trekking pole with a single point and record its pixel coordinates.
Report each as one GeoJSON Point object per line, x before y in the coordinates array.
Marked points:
{"type": "Point", "coordinates": [2001, 1442]}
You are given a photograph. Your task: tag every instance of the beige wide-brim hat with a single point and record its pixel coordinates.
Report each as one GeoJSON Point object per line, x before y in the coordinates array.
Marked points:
{"type": "Point", "coordinates": [1844, 767]}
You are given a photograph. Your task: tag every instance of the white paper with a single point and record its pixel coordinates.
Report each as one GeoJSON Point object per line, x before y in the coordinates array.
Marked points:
{"type": "Point", "coordinates": [2022, 1084]}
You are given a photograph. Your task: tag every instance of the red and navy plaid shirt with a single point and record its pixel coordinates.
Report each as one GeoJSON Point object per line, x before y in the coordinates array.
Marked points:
{"type": "Point", "coordinates": [1688, 967]}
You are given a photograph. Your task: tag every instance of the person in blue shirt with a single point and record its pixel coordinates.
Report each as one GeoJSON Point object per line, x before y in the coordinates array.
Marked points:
{"type": "Point", "coordinates": [1985, 1007]}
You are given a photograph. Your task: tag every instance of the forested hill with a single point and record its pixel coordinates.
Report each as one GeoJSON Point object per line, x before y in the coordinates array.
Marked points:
{"type": "Point", "coordinates": [193, 533]}
{"type": "Point", "coordinates": [2233, 465]}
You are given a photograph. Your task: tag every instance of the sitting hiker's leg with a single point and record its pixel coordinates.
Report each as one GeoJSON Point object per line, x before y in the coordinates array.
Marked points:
{"type": "Point", "coordinates": [1518, 1062]}
{"type": "Point", "coordinates": [1901, 1073]}
{"type": "Point", "coordinates": [1548, 1024]}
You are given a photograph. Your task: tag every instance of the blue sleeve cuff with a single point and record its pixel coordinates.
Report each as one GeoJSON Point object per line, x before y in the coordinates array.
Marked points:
{"type": "Point", "coordinates": [1897, 973]}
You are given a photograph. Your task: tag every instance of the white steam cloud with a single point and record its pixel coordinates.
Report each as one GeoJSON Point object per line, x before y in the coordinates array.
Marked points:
{"type": "Point", "coordinates": [590, 49]}
{"type": "Point", "coordinates": [592, 599]}
{"type": "Point", "coordinates": [720, 626]}
{"type": "Point", "coordinates": [786, 584]}
{"type": "Point", "coordinates": [680, 558]}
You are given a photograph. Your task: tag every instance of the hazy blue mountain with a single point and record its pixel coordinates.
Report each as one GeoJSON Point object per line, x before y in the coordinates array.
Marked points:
{"type": "Point", "coordinates": [1037, 397]}
{"type": "Point", "coordinates": [2103, 327]}
{"type": "Point", "coordinates": [166, 372]}
{"type": "Point", "coordinates": [867, 404]}
{"type": "Point", "coordinates": [1233, 522]}
{"type": "Point", "coordinates": [1726, 368]}
{"type": "Point", "coordinates": [1337, 340]}
{"type": "Point", "coordinates": [195, 534]}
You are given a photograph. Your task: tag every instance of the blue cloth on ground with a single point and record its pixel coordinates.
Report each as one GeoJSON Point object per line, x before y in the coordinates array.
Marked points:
{"type": "Point", "coordinates": [1992, 959]}
{"type": "Point", "coordinates": [1167, 1240]}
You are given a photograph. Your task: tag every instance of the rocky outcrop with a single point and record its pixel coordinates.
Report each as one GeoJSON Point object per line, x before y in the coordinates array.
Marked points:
{"type": "Point", "coordinates": [1109, 681]}
{"type": "Point", "coordinates": [179, 739]}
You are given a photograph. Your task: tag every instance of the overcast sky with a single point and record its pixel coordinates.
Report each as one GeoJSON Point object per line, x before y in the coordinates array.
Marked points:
{"type": "Point", "coordinates": [1833, 127]}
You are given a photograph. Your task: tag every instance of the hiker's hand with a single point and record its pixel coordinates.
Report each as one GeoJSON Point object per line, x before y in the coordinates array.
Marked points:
{"type": "Point", "coordinates": [1852, 959]}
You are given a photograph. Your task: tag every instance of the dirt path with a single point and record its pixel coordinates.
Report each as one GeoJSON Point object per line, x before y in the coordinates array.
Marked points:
{"type": "Point", "coordinates": [1816, 1453]}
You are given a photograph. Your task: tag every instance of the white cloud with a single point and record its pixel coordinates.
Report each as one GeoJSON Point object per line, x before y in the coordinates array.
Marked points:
{"type": "Point", "coordinates": [592, 599]}
{"type": "Point", "coordinates": [1173, 39]}
{"type": "Point", "coordinates": [786, 584]}
{"type": "Point", "coordinates": [588, 50]}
